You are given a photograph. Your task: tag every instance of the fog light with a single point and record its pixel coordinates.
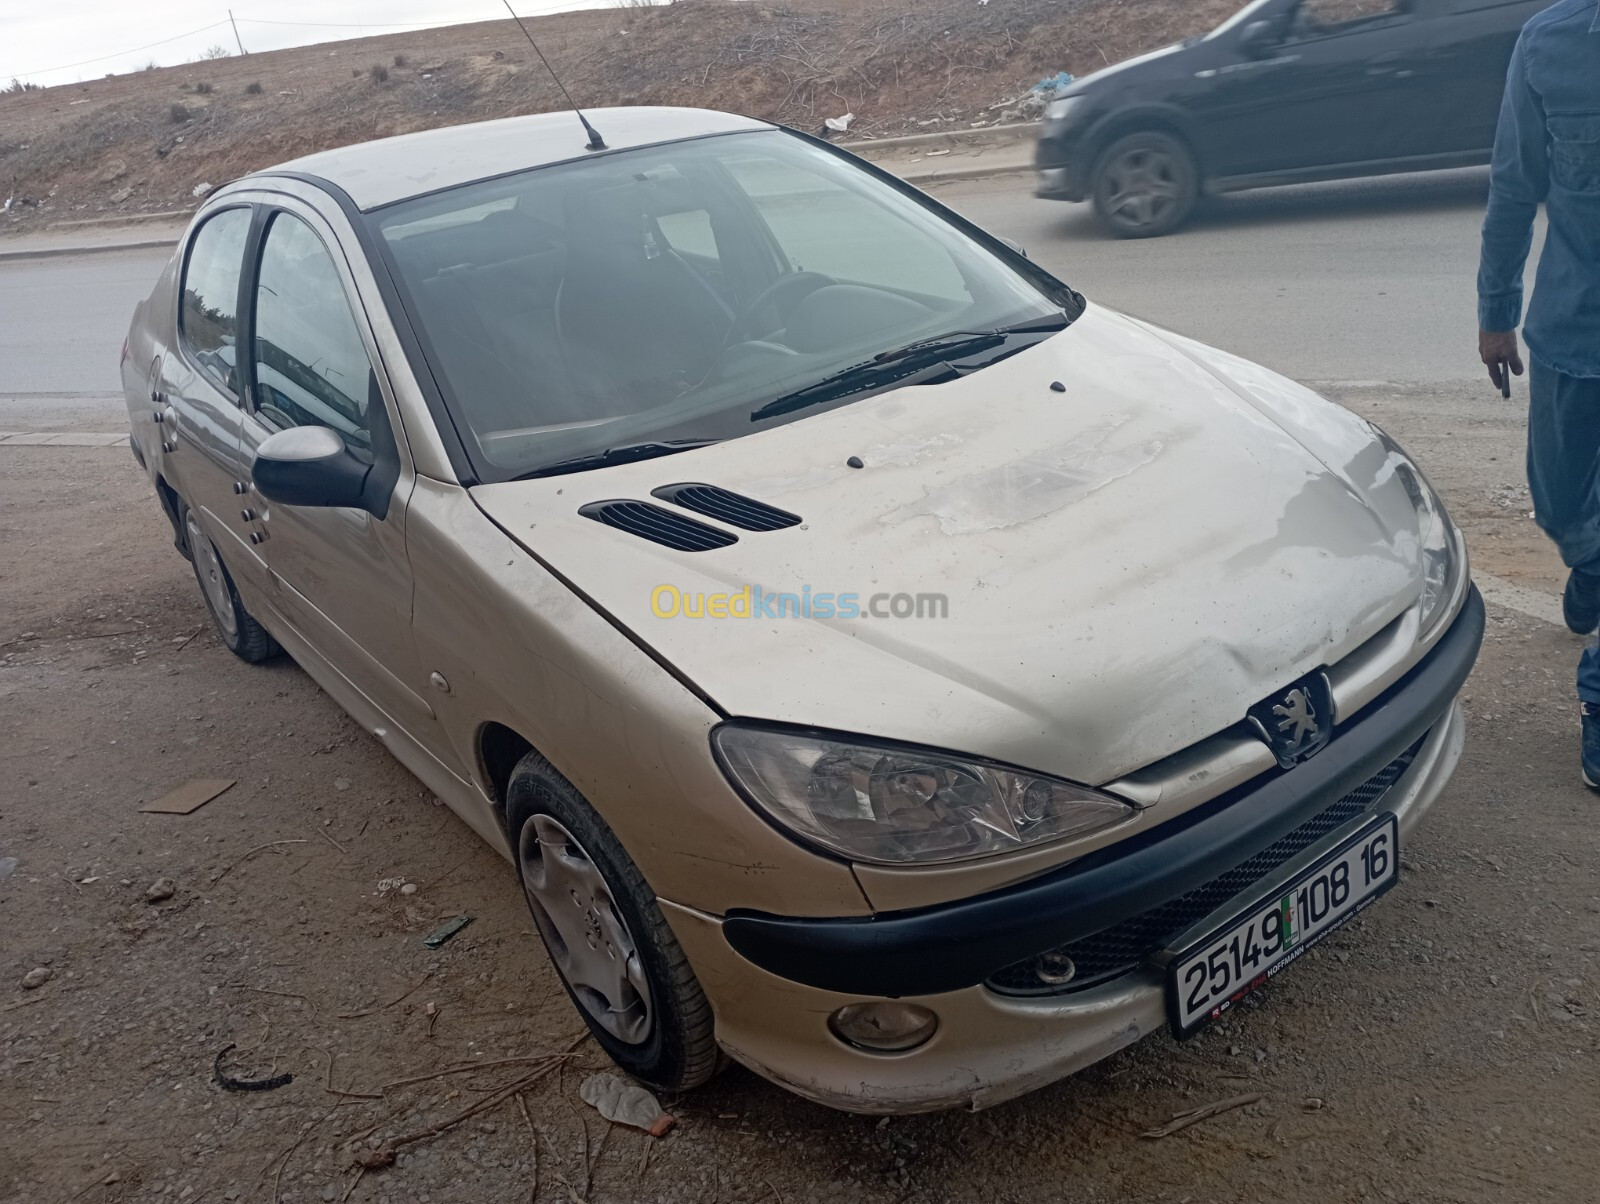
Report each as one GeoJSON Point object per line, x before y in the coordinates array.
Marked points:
{"type": "Point", "coordinates": [885, 1027]}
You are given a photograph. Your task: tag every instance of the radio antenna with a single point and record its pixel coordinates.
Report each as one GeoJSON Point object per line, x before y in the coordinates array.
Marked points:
{"type": "Point", "coordinates": [596, 143]}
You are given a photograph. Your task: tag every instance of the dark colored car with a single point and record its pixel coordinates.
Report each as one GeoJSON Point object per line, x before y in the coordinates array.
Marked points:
{"type": "Point", "coordinates": [1283, 92]}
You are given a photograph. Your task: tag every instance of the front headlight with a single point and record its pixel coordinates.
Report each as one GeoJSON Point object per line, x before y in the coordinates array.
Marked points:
{"type": "Point", "coordinates": [902, 806]}
{"type": "Point", "coordinates": [1442, 561]}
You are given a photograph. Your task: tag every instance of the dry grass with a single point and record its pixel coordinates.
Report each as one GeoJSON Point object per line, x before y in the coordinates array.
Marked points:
{"type": "Point", "coordinates": [121, 145]}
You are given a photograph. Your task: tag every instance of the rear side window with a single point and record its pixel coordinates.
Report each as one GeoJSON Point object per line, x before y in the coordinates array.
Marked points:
{"type": "Point", "coordinates": [690, 233]}
{"type": "Point", "coordinates": [208, 319]}
{"type": "Point", "coordinates": [311, 367]}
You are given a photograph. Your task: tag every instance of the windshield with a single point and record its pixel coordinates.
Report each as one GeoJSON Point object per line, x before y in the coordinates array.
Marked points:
{"type": "Point", "coordinates": [669, 296]}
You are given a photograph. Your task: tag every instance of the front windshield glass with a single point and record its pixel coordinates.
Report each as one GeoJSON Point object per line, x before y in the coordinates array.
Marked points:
{"type": "Point", "coordinates": [666, 295]}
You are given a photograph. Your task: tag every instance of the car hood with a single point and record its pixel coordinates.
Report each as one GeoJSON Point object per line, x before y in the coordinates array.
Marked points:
{"type": "Point", "coordinates": [1129, 563]}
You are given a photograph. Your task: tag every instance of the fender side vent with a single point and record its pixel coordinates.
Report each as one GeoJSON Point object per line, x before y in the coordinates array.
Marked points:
{"type": "Point", "coordinates": [726, 506]}
{"type": "Point", "coordinates": [658, 525]}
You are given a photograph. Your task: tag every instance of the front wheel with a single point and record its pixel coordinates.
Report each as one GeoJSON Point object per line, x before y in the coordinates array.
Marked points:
{"type": "Point", "coordinates": [1145, 185]}
{"type": "Point", "coordinates": [606, 937]}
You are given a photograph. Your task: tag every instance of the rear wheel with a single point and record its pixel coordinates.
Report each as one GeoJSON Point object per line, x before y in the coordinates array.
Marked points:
{"type": "Point", "coordinates": [606, 936]}
{"type": "Point", "coordinates": [1145, 185]}
{"type": "Point", "coordinates": [236, 627]}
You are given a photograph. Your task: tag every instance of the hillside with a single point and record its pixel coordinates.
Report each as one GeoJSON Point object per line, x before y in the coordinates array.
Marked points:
{"type": "Point", "coordinates": [144, 142]}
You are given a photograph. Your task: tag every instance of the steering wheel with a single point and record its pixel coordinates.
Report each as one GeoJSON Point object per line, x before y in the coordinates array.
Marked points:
{"type": "Point", "coordinates": [774, 303]}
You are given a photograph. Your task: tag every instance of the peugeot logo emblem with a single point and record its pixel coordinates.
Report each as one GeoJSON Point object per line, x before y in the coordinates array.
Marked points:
{"type": "Point", "coordinates": [1296, 716]}
{"type": "Point", "coordinates": [1298, 723]}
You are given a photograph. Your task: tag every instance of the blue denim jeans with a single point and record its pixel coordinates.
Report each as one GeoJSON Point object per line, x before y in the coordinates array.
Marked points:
{"type": "Point", "coordinates": [1564, 479]}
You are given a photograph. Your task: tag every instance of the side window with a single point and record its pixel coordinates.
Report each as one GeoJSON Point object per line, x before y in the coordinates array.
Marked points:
{"type": "Point", "coordinates": [208, 318]}
{"type": "Point", "coordinates": [311, 367]}
{"type": "Point", "coordinates": [1317, 17]}
{"type": "Point", "coordinates": [823, 226]}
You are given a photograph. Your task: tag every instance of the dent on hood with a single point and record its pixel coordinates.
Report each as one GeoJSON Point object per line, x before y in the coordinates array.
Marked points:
{"type": "Point", "coordinates": [1349, 446]}
{"type": "Point", "coordinates": [1037, 484]}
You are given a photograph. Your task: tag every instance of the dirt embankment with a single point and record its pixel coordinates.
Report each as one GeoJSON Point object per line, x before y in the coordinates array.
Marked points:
{"type": "Point", "coordinates": [144, 142]}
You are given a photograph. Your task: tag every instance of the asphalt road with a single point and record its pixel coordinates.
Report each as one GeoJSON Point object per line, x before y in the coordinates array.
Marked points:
{"type": "Point", "coordinates": [62, 320]}
{"type": "Point", "coordinates": [1368, 280]}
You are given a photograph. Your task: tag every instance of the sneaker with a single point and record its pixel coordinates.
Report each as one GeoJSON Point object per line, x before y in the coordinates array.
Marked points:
{"type": "Point", "coordinates": [1591, 745]}
{"type": "Point", "coordinates": [1580, 602]}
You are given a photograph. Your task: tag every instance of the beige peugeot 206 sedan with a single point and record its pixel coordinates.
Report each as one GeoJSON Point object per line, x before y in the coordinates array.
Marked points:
{"type": "Point", "coordinates": [882, 665]}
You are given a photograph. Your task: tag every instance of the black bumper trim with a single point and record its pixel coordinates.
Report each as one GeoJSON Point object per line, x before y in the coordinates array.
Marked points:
{"type": "Point", "coordinates": [959, 945]}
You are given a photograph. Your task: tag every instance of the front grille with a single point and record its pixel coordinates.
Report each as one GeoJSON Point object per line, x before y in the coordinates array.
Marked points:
{"type": "Point", "coordinates": [1123, 947]}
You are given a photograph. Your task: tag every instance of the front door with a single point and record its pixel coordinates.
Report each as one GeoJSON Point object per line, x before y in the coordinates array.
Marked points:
{"type": "Point", "coordinates": [341, 575]}
{"type": "Point", "coordinates": [1327, 90]}
{"type": "Point", "coordinates": [1475, 39]}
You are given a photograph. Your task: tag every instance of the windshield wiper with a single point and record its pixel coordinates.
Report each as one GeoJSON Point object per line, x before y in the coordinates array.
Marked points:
{"type": "Point", "coordinates": [860, 379]}
{"type": "Point", "coordinates": [956, 345]}
{"type": "Point", "coordinates": [630, 453]}
{"type": "Point", "coordinates": [959, 344]}
{"type": "Point", "coordinates": [890, 368]}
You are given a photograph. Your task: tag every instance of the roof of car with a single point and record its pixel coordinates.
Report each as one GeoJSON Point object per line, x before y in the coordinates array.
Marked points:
{"type": "Point", "coordinates": [394, 169]}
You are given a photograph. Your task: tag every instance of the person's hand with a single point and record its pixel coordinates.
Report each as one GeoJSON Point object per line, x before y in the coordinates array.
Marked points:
{"type": "Point", "coordinates": [1500, 354]}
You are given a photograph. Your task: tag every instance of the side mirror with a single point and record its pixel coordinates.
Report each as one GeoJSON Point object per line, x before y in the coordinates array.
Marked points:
{"type": "Point", "coordinates": [309, 466]}
{"type": "Point", "coordinates": [1260, 38]}
{"type": "Point", "coordinates": [1016, 246]}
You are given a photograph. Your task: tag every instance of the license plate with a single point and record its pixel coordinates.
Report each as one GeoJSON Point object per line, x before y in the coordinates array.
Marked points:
{"type": "Point", "coordinates": [1244, 955]}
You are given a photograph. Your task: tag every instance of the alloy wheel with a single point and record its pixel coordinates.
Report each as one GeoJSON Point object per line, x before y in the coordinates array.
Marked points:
{"type": "Point", "coordinates": [1144, 185]}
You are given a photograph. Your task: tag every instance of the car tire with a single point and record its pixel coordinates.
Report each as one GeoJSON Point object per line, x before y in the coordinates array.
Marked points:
{"type": "Point", "coordinates": [610, 945]}
{"type": "Point", "coordinates": [239, 631]}
{"type": "Point", "coordinates": [1145, 185]}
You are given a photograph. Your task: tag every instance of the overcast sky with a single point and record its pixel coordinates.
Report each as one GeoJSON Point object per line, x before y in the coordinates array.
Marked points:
{"type": "Point", "coordinates": [61, 43]}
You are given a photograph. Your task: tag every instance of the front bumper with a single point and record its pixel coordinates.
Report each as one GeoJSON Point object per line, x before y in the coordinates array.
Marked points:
{"type": "Point", "coordinates": [1063, 173]}
{"type": "Point", "coordinates": [774, 982]}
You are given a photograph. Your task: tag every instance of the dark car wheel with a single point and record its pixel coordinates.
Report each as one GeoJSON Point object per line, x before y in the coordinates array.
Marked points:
{"type": "Point", "coordinates": [236, 627]}
{"type": "Point", "coordinates": [1145, 185]}
{"type": "Point", "coordinates": [606, 937]}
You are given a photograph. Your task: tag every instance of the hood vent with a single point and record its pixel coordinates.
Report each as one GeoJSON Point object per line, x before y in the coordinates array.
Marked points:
{"type": "Point", "coordinates": [726, 506]}
{"type": "Point", "coordinates": [658, 525]}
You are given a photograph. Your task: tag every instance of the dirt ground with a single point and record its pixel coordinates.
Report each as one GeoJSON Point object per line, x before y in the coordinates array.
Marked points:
{"type": "Point", "coordinates": [142, 142]}
{"type": "Point", "coordinates": [1441, 1049]}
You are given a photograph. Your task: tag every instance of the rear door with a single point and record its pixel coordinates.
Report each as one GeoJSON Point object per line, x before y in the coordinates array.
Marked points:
{"type": "Point", "coordinates": [1328, 92]}
{"type": "Point", "coordinates": [199, 392]}
{"type": "Point", "coordinates": [341, 575]}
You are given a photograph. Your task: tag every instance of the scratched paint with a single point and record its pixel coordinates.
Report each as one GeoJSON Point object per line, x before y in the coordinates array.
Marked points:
{"type": "Point", "coordinates": [908, 452]}
{"type": "Point", "coordinates": [1036, 485]}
